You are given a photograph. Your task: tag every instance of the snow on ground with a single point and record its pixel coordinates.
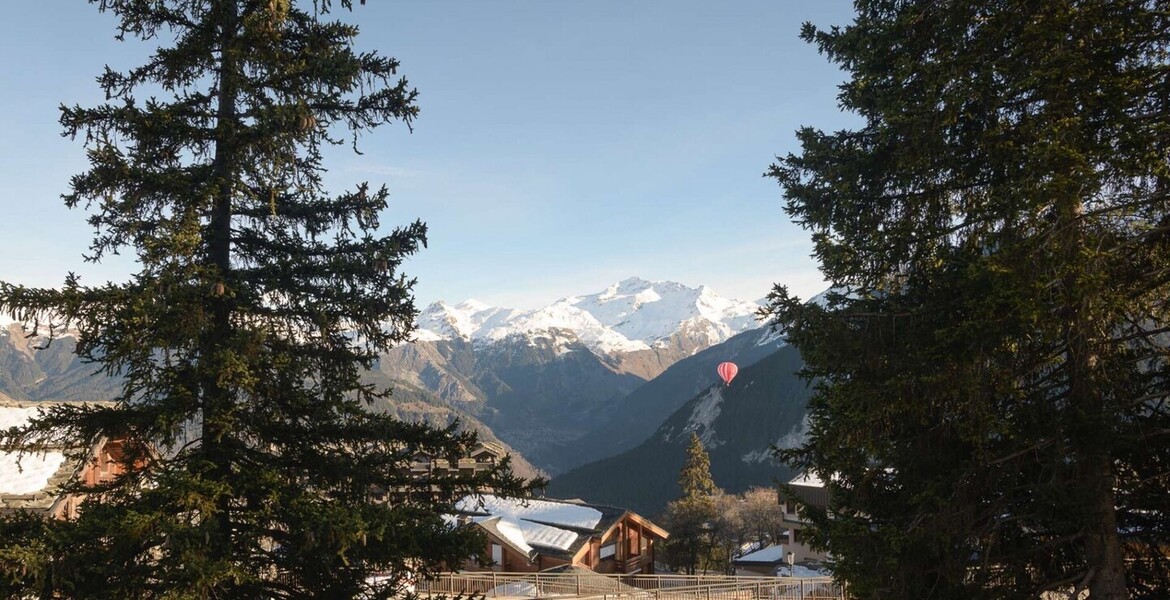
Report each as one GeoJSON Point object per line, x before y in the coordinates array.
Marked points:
{"type": "Point", "coordinates": [802, 572]}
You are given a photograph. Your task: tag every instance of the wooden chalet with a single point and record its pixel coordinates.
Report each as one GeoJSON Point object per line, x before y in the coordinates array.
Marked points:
{"type": "Point", "coordinates": [483, 457]}
{"type": "Point", "coordinates": [32, 481]}
{"type": "Point", "coordinates": [534, 535]}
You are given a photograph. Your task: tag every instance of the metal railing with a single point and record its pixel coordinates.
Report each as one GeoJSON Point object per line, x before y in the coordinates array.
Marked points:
{"type": "Point", "coordinates": [632, 587]}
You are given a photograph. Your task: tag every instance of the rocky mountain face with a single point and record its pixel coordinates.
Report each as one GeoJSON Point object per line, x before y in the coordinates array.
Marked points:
{"type": "Point", "coordinates": [765, 405]}
{"type": "Point", "coordinates": [543, 379]}
{"type": "Point", "coordinates": [639, 414]}
{"type": "Point", "coordinates": [32, 368]}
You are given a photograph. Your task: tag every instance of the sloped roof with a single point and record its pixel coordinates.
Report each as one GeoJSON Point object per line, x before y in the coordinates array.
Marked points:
{"type": "Point", "coordinates": [768, 555]}
{"type": "Point", "coordinates": [31, 480]}
{"type": "Point", "coordinates": [550, 527]}
{"type": "Point", "coordinates": [809, 488]}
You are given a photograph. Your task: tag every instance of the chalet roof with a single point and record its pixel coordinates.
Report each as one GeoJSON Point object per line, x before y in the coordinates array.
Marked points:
{"type": "Point", "coordinates": [808, 488]}
{"type": "Point", "coordinates": [31, 480]}
{"type": "Point", "coordinates": [550, 527]}
{"type": "Point", "coordinates": [766, 556]}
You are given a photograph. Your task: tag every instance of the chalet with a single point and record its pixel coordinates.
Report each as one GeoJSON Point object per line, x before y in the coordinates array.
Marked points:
{"type": "Point", "coordinates": [807, 488]}
{"type": "Point", "coordinates": [483, 457]}
{"type": "Point", "coordinates": [32, 481]}
{"type": "Point", "coordinates": [534, 535]}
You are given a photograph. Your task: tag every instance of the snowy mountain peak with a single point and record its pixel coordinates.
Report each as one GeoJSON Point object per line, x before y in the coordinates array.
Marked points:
{"type": "Point", "coordinates": [633, 314]}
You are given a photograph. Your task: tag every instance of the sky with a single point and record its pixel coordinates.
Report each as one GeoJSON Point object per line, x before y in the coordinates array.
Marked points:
{"type": "Point", "coordinates": [562, 145]}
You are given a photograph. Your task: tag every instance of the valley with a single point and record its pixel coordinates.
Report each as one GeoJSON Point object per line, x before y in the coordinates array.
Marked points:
{"type": "Point", "coordinates": [598, 392]}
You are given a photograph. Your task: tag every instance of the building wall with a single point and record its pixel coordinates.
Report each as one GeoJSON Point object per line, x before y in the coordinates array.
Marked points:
{"type": "Point", "coordinates": [105, 464]}
{"type": "Point", "coordinates": [795, 542]}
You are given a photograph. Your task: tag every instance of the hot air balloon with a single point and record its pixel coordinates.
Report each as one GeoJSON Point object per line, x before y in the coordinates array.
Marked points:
{"type": "Point", "coordinates": [727, 371]}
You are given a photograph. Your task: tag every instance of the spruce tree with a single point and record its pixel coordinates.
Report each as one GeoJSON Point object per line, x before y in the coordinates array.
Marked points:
{"type": "Point", "coordinates": [992, 370]}
{"type": "Point", "coordinates": [256, 468]}
{"type": "Point", "coordinates": [695, 477]}
{"type": "Point", "coordinates": [690, 518]}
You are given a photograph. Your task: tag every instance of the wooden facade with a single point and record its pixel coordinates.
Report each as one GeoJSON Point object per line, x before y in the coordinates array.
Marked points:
{"type": "Point", "coordinates": [621, 542]}
{"type": "Point", "coordinates": [102, 463]}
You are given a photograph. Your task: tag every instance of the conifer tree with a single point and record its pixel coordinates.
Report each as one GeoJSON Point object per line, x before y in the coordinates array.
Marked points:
{"type": "Point", "coordinates": [690, 517]}
{"type": "Point", "coordinates": [695, 477]}
{"type": "Point", "coordinates": [991, 406]}
{"type": "Point", "coordinates": [254, 461]}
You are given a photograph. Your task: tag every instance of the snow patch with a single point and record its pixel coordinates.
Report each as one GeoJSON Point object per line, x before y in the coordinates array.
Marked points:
{"type": "Point", "coordinates": [802, 572]}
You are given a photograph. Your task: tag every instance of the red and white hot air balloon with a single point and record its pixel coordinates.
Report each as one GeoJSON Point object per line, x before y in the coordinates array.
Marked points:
{"type": "Point", "coordinates": [727, 371]}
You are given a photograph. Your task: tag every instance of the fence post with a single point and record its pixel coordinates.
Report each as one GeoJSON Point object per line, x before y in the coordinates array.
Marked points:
{"type": "Point", "coordinates": [801, 589]}
{"type": "Point", "coordinates": [578, 576]}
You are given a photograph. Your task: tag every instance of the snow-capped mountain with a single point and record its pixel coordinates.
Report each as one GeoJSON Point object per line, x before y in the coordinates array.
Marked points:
{"type": "Point", "coordinates": [629, 316]}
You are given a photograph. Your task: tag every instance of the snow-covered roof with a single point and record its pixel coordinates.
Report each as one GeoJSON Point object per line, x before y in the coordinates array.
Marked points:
{"type": "Point", "coordinates": [28, 474]}
{"type": "Point", "coordinates": [29, 480]}
{"type": "Point", "coordinates": [807, 479]}
{"type": "Point", "coordinates": [533, 523]}
{"type": "Point", "coordinates": [542, 511]}
{"type": "Point", "coordinates": [507, 530]}
{"type": "Point", "coordinates": [768, 554]}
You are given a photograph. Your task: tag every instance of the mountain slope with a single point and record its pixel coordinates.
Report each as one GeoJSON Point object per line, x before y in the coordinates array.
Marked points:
{"type": "Point", "coordinates": [764, 405]}
{"type": "Point", "coordinates": [639, 414]}
{"type": "Point", "coordinates": [33, 369]}
{"type": "Point", "coordinates": [542, 379]}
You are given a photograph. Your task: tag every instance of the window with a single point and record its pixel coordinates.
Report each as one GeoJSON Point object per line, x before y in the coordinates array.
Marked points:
{"type": "Point", "coordinates": [608, 550]}
{"type": "Point", "coordinates": [497, 555]}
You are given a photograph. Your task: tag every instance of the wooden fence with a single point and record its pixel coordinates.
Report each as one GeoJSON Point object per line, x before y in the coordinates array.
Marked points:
{"type": "Point", "coordinates": [631, 587]}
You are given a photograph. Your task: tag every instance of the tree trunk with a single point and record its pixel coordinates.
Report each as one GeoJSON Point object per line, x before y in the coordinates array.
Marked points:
{"type": "Point", "coordinates": [1091, 420]}
{"type": "Point", "coordinates": [217, 399]}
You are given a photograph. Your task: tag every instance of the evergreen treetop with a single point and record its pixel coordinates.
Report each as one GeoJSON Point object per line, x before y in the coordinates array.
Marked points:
{"type": "Point", "coordinates": [255, 465]}
{"type": "Point", "coordinates": [992, 372]}
{"type": "Point", "coordinates": [695, 476]}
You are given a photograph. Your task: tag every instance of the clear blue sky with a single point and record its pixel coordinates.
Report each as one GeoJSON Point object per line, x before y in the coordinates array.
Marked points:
{"type": "Point", "coordinates": [563, 145]}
